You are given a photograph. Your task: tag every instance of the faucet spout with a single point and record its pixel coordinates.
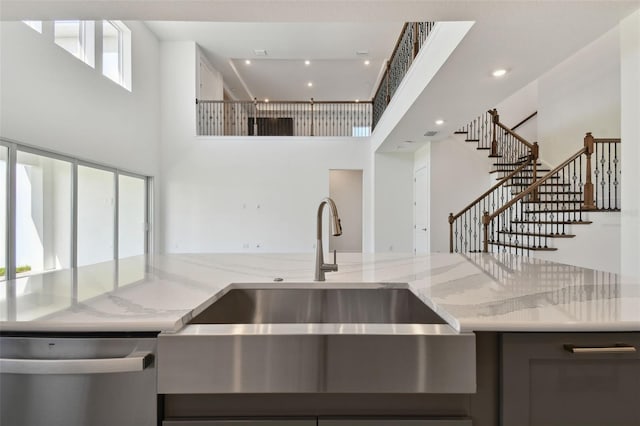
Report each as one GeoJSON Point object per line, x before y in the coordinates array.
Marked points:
{"type": "Point", "coordinates": [336, 230]}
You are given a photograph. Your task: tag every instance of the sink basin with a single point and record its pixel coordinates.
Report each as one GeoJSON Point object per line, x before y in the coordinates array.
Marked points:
{"type": "Point", "coordinates": [304, 338]}
{"type": "Point", "coordinates": [294, 306]}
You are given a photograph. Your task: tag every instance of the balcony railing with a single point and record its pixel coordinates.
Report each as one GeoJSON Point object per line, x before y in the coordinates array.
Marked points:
{"type": "Point", "coordinates": [312, 118]}
{"type": "Point", "coordinates": [283, 118]}
{"type": "Point", "coordinates": [409, 43]}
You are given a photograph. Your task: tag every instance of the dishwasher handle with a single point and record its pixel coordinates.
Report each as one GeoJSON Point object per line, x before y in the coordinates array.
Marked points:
{"type": "Point", "coordinates": [135, 361]}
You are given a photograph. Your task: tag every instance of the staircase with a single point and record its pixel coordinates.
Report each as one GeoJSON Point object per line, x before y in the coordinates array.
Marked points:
{"type": "Point", "coordinates": [530, 206]}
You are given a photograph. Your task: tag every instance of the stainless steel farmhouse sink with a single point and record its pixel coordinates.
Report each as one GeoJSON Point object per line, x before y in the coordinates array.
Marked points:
{"type": "Point", "coordinates": [314, 305]}
{"type": "Point", "coordinates": [308, 338]}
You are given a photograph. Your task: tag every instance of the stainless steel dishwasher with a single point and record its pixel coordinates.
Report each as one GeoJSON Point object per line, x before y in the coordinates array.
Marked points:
{"type": "Point", "coordinates": [70, 380]}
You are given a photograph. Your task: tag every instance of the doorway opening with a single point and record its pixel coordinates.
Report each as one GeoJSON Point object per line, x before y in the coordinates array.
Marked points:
{"type": "Point", "coordinates": [345, 188]}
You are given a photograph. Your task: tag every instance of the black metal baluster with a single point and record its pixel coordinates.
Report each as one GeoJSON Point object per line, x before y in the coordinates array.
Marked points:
{"type": "Point", "coordinates": [615, 172]}
{"type": "Point", "coordinates": [596, 172]}
{"type": "Point", "coordinates": [609, 173]}
{"type": "Point", "coordinates": [580, 189]}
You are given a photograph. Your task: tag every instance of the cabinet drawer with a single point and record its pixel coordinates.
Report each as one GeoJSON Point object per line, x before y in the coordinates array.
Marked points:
{"type": "Point", "coordinates": [242, 422]}
{"type": "Point", "coordinates": [395, 422]}
{"type": "Point", "coordinates": [570, 378]}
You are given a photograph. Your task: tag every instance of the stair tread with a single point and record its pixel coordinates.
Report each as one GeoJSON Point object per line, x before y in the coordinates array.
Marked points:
{"type": "Point", "coordinates": [460, 132]}
{"type": "Point", "coordinates": [554, 222]}
{"type": "Point", "coordinates": [483, 148]}
{"type": "Point", "coordinates": [553, 211]}
{"type": "Point", "coordinates": [553, 202]}
{"type": "Point", "coordinates": [558, 193]}
{"type": "Point", "coordinates": [514, 164]}
{"type": "Point", "coordinates": [537, 235]}
{"type": "Point", "coordinates": [526, 169]}
{"type": "Point", "coordinates": [542, 184]}
{"type": "Point", "coordinates": [472, 140]}
{"type": "Point", "coordinates": [528, 177]}
{"type": "Point", "coordinates": [502, 244]}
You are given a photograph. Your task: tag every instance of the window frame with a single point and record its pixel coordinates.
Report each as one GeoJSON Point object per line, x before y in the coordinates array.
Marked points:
{"type": "Point", "coordinates": [13, 147]}
{"type": "Point", "coordinates": [86, 40]}
{"type": "Point", "coordinates": [124, 53]}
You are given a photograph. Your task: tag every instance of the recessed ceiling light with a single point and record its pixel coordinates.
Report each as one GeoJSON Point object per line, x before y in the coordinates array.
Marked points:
{"type": "Point", "coordinates": [499, 72]}
{"type": "Point", "coordinates": [310, 84]}
{"type": "Point", "coordinates": [248, 62]}
{"type": "Point", "coordinates": [367, 62]}
{"type": "Point", "coordinates": [307, 62]}
{"type": "Point", "coordinates": [439, 122]}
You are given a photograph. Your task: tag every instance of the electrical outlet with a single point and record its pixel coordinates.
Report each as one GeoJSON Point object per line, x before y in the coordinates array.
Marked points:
{"type": "Point", "coordinates": [245, 245]}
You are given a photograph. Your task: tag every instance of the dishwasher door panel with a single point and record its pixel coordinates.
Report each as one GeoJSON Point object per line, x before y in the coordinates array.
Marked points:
{"type": "Point", "coordinates": [41, 384]}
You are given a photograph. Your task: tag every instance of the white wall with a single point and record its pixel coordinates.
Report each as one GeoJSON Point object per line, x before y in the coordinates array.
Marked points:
{"type": "Point", "coordinates": [459, 174]}
{"type": "Point", "coordinates": [422, 160]}
{"type": "Point", "coordinates": [580, 95]}
{"type": "Point", "coordinates": [630, 130]}
{"type": "Point", "coordinates": [595, 246]}
{"type": "Point", "coordinates": [52, 100]}
{"type": "Point", "coordinates": [241, 194]}
{"type": "Point", "coordinates": [519, 106]}
{"type": "Point", "coordinates": [210, 83]}
{"type": "Point", "coordinates": [393, 202]}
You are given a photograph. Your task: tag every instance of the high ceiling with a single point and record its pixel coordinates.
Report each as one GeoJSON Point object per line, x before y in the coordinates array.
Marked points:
{"type": "Point", "coordinates": [277, 53]}
{"type": "Point", "coordinates": [529, 37]}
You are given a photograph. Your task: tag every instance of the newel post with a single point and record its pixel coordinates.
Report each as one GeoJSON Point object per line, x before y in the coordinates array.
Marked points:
{"type": "Point", "coordinates": [588, 186]}
{"type": "Point", "coordinates": [495, 118]}
{"type": "Point", "coordinates": [416, 42]}
{"type": "Point", "coordinates": [485, 222]}
{"type": "Point", "coordinates": [311, 117]}
{"type": "Point", "coordinates": [255, 116]}
{"type": "Point", "coordinates": [451, 220]}
{"type": "Point", "coordinates": [535, 152]}
{"type": "Point", "coordinates": [388, 72]}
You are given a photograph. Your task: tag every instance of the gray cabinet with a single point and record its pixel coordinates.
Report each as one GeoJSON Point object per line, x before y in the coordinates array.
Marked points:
{"type": "Point", "coordinates": [395, 422]}
{"type": "Point", "coordinates": [570, 379]}
{"type": "Point", "coordinates": [242, 422]}
{"type": "Point", "coordinates": [321, 422]}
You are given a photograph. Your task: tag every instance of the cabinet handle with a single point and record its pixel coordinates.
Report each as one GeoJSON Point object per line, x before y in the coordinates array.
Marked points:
{"type": "Point", "coordinates": [618, 348]}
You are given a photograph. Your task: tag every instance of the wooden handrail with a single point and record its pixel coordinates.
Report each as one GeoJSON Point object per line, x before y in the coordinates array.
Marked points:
{"type": "Point", "coordinates": [606, 140]}
{"type": "Point", "coordinates": [525, 120]}
{"type": "Point", "coordinates": [453, 217]}
{"type": "Point", "coordinates": [535, 185]}
{"type": "Point", "coordinates": [397, 46]}
{"type": "Point", "coordinates": [515, 135]}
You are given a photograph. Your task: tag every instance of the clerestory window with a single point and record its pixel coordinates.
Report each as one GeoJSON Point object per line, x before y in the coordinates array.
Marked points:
{"type": "Point", "coordinates": [116, 52]}
{"type": "Point", "coordinates": [77, 38]}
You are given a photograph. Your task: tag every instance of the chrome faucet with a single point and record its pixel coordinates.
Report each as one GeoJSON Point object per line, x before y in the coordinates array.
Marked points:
{"type": "Point", "coordinates": [336, 230]}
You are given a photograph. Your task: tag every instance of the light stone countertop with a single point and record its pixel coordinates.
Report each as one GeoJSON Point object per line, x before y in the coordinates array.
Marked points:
{"type": "Point", "coordinates": [475, 292]}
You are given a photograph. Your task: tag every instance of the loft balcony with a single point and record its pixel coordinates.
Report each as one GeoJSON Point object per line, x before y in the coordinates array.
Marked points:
{"type": "Point", "coordinates": [315, 118]}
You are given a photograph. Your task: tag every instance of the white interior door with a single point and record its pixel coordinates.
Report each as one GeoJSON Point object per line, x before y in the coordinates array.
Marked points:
{"type": "Point", "coordinates": [420, 212]}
